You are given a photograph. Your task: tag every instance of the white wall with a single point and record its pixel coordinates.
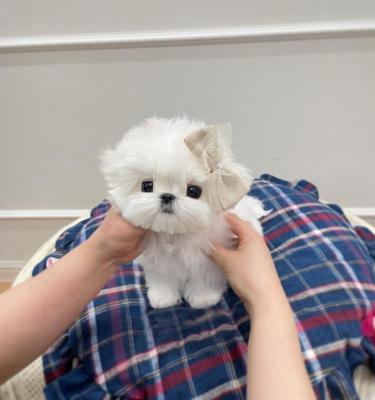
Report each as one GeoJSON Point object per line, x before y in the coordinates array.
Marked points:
{"type": "Point", "coordinates": [45, 17]}
{"type": "Point", "coordinates": [299, 108]}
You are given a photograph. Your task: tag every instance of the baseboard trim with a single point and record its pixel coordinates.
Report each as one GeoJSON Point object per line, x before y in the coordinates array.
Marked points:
{"type": "Point", "coordinates": [10, 269]}
{"type": "Point", "coordinates": [361, 211]}
{"type": "Point", "coordinates": [265, 33]}
{"type": "Point", "coordinates": [43, 214]}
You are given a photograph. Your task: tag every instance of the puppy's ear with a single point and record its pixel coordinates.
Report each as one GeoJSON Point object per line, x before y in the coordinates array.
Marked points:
{"type": "Point", "coordinates": [228, 181]}
{"type": "Point", "coordinates": [111, 166]}
{"type": "Point", "coordinates": [210, 144]}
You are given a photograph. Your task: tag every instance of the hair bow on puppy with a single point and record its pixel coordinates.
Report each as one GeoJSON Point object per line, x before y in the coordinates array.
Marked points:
{"type": "Point", "coordinates": [228, 181]}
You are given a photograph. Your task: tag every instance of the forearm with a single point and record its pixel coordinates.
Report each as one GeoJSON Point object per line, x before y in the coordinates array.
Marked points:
{"type": "Point", "coordinates": [275, 365]}
{"type": "Point", "coordinates": [39, 310]}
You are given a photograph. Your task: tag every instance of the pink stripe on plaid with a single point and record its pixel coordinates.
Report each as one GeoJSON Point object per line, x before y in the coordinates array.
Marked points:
{"type": "Point", "coordinates": [330, 287]}
{"type": "Point", "coordinates": [199, 367]}
{"type": "Point", "coordinates": [139, 357]}
{"type": "Point", "coordinates": [51, 261]}
{"type": "Point", "coordinates": [327, 319]}
{"type": "Point", "coordinates": [298, 222]}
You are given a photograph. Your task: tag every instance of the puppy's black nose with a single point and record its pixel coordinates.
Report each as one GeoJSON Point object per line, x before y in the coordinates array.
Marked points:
{"type": "Point", "coordinates": [167, 198]}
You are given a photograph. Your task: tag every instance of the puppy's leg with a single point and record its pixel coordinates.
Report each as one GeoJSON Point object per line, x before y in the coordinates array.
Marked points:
{"type": "Point", "coordinates": [205, 287]}
{"type": "Point", "coordinates": [163, 288]}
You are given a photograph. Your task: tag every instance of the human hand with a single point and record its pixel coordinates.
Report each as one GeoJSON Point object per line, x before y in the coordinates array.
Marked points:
{"type": "Point", "coordinates": [116, 240]}
{"type": "Point", "coordinates": [249, 267]}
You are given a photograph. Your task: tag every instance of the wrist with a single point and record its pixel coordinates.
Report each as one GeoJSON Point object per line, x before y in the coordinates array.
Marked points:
{"type": "Point", "coordinates": [268, 303]}
{"type": "Point", "coordinates": [99, 252]}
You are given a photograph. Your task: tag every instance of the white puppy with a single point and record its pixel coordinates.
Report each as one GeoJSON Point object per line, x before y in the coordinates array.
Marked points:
{"type": "Point", "coordinates": [175, 177]}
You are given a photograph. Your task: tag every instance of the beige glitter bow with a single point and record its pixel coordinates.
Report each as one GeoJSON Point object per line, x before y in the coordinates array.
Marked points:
{"type": "Point", "coordinates": [228, 181]}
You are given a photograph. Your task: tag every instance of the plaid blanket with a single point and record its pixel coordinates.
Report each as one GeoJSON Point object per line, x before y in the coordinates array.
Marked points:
{"type": "Point", "coordinates": [121, 348]}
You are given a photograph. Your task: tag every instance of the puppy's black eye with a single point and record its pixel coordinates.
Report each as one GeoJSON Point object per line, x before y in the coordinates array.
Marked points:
{"type": "Point", "coordinates": [147, 186]}
{"type": "Point", "coordinates": [194, 191]}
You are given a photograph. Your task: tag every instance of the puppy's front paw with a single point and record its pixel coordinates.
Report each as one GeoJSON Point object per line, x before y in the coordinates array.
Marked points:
{"type": "Point", "coordinates": [161, 297]}
{"type": "Point", "coordinates": [204, 300]}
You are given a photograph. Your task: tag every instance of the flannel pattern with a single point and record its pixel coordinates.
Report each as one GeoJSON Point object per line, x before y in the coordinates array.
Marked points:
{"type": "Point", "coordinates": [121, 348]}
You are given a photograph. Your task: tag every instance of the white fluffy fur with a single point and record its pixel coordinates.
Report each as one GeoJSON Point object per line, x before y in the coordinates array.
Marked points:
{"type": "Point", "coordinates": [174, 257]}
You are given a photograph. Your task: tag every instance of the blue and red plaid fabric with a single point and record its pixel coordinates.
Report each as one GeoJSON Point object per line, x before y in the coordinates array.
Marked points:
{"type": "Point", "coordinates": [121, 348]}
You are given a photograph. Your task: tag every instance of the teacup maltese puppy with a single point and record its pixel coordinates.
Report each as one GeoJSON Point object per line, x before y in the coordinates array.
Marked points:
{"type": "Point", "coordinates": [176, 177]}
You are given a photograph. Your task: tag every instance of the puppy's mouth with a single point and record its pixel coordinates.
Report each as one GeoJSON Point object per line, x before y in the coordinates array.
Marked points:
{"type": "Point", "coordinates": [167, 209]}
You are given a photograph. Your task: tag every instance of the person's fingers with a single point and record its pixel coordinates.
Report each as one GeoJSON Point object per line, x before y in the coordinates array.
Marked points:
{"type": "Point", "coordinates": [241, 228]}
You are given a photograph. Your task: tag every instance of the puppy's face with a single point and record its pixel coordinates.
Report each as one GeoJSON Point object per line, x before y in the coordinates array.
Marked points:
{"type": "Point", "coordinates": [161, 176]}
{"type": "Point", "coordinates": [161, 198]}
{"type": "Point", "coordinates": [156, 183]}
